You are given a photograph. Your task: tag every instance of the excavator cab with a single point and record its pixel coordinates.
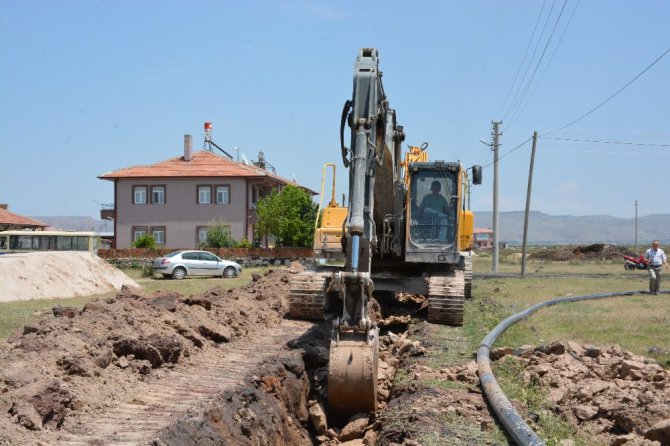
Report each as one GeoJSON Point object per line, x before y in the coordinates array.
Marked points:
{"type": "Point", "coordinates": [433, 197]}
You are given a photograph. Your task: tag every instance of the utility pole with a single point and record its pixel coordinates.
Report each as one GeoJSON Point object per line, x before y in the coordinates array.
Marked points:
{"type": "Point", "coordinates": [495, 133]}
{"type": "Point", "coordinates": [525, 219]}
{"type": "Point", "coordinates": [635, 227]}
{"type": "Point", "coordinates": [469, 187]}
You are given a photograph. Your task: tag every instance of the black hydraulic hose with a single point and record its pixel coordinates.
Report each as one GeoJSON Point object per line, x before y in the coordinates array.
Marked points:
{"type": "Point", "coordinates": [515, 425]}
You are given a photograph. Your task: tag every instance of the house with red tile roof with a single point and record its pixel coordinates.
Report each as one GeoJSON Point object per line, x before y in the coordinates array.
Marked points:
{"type": "Point", "coordinates": [483, 238]}
{"type": "Point", "coordinates": [174, 200]}
{"type": "Point", "coordinates": [10, 221]}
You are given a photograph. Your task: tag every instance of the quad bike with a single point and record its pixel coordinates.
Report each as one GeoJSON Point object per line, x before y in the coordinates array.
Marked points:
{"type": "Point", "coordinates": [633, 263]}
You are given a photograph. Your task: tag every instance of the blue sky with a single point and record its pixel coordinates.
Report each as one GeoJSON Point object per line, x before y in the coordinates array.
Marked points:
{"type": "Point", "coordinates": [93, 86]}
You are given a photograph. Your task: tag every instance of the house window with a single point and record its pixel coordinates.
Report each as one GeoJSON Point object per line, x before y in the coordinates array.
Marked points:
{"type": "Point", "coordinates": [158, 233]}
{"type": "Point", "coordinates": [157, 194]}
{"type": "Point", "coordinates": [201, 234]}
{"type": "Point", "coordinates": [204, 194]}
{"type": "Point", "coordinates": [222, 194]}
{"type": "Point", "coordinates": [139, 195]}
{"type": "Point", "coordinates": [138, 231]}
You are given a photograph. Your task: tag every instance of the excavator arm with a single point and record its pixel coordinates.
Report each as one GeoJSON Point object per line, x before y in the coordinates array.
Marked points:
{"type": "Point", "coordinates": [374, 154]}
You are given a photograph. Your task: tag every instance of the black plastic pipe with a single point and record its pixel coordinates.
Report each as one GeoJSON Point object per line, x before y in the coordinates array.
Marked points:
{"type": "Point", "coordinates": [515, 426]}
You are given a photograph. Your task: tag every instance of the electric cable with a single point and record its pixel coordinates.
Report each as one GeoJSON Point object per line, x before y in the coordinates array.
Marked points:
{"type": "Point", "coordinates": [609, 142]}
{"type": "Point", "coordinates": [523, 59]}
{"type": "Point", "coordinates": [530, 62]}
{"type": "Point", "coordinates": [611, 96]}
{"type": "Point", "coordinates": [546, 68]}
{"type": "Point", "coordinates": [516, 112]}
{"type": "Point", "coordinates": [509, 152]}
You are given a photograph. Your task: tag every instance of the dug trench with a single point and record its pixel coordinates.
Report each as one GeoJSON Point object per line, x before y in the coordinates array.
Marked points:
{"type": "Point", "coordinates": [224, 367]}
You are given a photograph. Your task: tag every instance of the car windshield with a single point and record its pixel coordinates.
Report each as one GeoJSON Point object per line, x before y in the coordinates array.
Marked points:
{"type": "Point", "coordinates": [172, 254]}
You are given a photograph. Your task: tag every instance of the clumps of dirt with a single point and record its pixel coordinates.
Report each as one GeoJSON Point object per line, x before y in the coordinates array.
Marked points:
{"type": "Point", "coordinates": [621, 398]}
{"type": "Point", "coordinates": [78, 361]}
{"type": "Point", "coordinates": [597, 251]}
{"type": "Point", "coordinates": [270, 408]}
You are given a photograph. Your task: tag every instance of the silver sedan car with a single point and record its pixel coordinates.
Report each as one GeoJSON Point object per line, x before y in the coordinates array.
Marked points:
{"type": "Point", "coordinates": [180, 264]}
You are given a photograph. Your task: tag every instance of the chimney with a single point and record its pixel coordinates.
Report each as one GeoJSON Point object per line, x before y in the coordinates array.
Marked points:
{"type": "Point", "coordinates": [4, 206]}
{"type": "Point", "coordinates": [188, 152]}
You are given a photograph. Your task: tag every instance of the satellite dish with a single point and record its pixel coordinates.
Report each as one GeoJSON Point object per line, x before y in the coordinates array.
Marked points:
{"type": "Point", "coordinates": [245, 160]}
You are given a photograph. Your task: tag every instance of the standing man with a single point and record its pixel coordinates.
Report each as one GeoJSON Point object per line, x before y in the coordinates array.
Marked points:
{"type": "Point", "coordinates": [657, 259]}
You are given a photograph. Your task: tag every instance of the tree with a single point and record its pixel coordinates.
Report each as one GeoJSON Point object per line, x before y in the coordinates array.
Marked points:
{"type": "Point", "coordinates": [288, 215]}
{"type": "Point", "coordinates": [218, 235]}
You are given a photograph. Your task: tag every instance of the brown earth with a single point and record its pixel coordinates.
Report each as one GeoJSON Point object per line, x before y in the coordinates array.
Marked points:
{"type": "Point", "coordinates": [57, 274]}
{"type": "Point", "coordinates": [225, 367]}
{"type": "Point", "coordinates": [61, 374]}
{"type": "Point", "coordinates": [589, 252]}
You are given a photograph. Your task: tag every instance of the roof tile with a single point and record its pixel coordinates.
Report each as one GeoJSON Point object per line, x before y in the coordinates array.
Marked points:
{"type": "Point", "coordinates": [10, 218]}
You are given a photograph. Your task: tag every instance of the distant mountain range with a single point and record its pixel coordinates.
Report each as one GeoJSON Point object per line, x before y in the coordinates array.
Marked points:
{"type": "Point", "coordinates": [543, 228]}
{"type": "Point", "coordinates": [561, 229]}
{"type": "Point", "coordinates": [77, 224]}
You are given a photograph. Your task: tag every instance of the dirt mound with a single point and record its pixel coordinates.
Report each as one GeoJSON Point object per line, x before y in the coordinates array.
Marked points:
{"type": "Point", "coordinates": [49, 275]}
{"type": "Point", "coordinates": [623, 399]}
{"type": "Point", "coordinates": [588, 252]}
{"type": "Point", "coordinates": [78, 362]}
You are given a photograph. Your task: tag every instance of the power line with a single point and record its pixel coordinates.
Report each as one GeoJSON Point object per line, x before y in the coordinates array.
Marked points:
{"type": "Point", "coordinates": [530, 62]}
{"type": "Point", "coordinates": [611, 96]}
{"type": "Point", "coordinates": [610, 142]}
{"type": "Point", "coordinates": [523, 59]}
{"type": "Point", "coordinates": [546, 67]}
{"type": "Point", "coordinates": [517, 110]}
{"type": "Point", "coordinates": [510, 152]}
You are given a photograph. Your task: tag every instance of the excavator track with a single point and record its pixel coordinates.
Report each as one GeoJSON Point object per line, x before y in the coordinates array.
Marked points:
{"type": "Point", "coordinates": [446, 297]}
{"type": "Point", "coordinates": [307, 295]}
{"type": "Point", "coordinates": [467, 272]}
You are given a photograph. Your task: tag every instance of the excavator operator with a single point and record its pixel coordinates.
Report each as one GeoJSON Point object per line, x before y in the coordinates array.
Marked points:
{"type": "Point", "coordinates": [434, 202]}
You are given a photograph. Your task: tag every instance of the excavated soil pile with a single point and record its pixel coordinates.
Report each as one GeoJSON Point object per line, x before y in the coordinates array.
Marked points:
{"type": "Point", "coordinates": [80, 361]}
{"type": "Point", "coordinates": [623, 399]}
{"type": "Point", "coordinates": [51, 275]}
{"type": "Point", "coordinates": [589, 252]}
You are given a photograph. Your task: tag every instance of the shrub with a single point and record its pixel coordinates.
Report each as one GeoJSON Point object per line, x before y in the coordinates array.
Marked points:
{"type": "Point", "coordinates": [218, 235]}
{"type": "Point", "coordinates": [244, 243]}
{"type": "Point", "coordinates": [145, 241]}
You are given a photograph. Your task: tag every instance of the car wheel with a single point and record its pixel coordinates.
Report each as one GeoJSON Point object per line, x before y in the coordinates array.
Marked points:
{"type": "Point", "coordinates": [229, 272]}
{"type": "Point", "coordinates": [179, 273]}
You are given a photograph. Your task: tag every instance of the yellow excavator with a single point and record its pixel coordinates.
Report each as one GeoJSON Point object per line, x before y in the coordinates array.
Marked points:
{"type": "Point", "coordinates": [405, 229]}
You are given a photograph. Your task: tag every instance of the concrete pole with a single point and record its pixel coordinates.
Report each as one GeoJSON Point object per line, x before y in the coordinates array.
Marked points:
{"type": "Point", "coordinates": [494, 266]}
{"type": "Point", "coordinates": [525, 219]}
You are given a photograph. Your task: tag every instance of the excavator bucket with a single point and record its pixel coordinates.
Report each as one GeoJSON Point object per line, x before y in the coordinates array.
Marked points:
{"type": "Point", "coordinates": [352, 374]}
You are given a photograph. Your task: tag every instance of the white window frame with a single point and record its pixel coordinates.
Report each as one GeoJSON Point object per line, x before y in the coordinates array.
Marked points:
{"type": "Point", "coordinates": [200, 231]}
{"type": "Point", "coordinates": [225, 192]}
{"type": "Point", "coordinates": [137, 233]}
{"type": "Point", "coordinates": [141, 192]}
{"type": "Point", "coordinates": [160, 191]}
{"type": "Point", "coordinates": [161, 231]}
{"type": "Point", "coordinates": [204, 192]}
